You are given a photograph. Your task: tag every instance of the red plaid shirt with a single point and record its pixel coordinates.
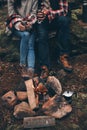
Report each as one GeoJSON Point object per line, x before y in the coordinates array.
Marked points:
{"type": "Point", "coordinates": [63, 9]}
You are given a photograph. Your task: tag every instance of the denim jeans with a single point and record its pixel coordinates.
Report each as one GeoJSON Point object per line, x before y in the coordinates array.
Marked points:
{"type": "Point", "coordinates": [43, 47]}
{"type": "Point", "coordinates": [61, 25]}
{"type": "Point", "coordinates": [27, 56]}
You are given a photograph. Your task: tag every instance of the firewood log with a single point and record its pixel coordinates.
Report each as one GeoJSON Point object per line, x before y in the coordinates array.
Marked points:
{"type": "Point", "coordinates": [56, 107]}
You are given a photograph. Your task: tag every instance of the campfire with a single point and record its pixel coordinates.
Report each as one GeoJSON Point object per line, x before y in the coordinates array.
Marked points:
{"type": "Point", "coordinates": [42, 100]}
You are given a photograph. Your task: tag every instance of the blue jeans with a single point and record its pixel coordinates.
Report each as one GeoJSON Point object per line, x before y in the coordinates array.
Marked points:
{"type": "Point", "coordinates": [43, 47]}
{"type": "Point", "coordinates": [61, 25]}
{"type": "Point", "coordinates": [27, 55]}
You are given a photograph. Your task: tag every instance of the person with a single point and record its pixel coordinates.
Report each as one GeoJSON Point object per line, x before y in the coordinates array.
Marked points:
{"type": "Point", "coordinates": [21, 20]}
{"type": "Point", "coordinates": [53, 14]}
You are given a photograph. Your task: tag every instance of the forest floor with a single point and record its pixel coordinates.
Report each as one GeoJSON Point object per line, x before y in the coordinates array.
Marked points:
{"type": "Point", "coordinates": [10, 79]}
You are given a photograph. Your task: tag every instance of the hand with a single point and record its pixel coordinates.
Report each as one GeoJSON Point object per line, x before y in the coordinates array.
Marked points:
{"type": "Point", "coordinates": [21, 27]}
{"type": "Point", "coordinates": [45, 11]}
{"type": "Point", "coordinates": [40, 15]}
{"type": "Point", "coordinates": [28, 25]}
{"type": "Point", "coordinates": [51, 17]}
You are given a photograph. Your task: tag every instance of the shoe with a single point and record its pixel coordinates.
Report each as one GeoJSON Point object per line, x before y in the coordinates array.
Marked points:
{"type": "Point", "coordinates": [30, 73]}
{"type": "Point", "coordinates": [24, 73]}
{"type": "Point", "coordinates": [44, 72]}
{"type": "Point", "coordinates": [63, 60]}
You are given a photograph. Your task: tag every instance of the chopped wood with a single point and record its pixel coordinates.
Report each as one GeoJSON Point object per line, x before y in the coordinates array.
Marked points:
{"type": "Point", "coordinates": [30, 93]}
{"type": "Point", "coordinates": [23, 110]}
{"type": "Point", "coordinates": [9, 99]}
{"type": "Point", "coordinates": [54, 86]}
{"type": "Point", "coordinates": [56, 107]}
{"type": "Point", "coordinates": [38, 121]}
{"type": "Point", "coordinates": [21, 95]}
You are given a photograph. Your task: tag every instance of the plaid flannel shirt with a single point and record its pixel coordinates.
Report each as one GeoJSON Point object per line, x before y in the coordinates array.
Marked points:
{"type": "Point", "coordinates": [63, 8]}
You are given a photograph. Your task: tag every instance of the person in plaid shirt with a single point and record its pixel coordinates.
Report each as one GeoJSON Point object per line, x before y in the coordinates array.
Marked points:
{"type": "Point", "coordinates": [53, 14]}
{"type": "Point", "coordinates": [21, 14]}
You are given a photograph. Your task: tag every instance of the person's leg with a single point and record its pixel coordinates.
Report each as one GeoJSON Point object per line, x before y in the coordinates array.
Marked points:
{"type": "Point", "coordinates": [31, 55]}
{"type": "Point", "coordinates": [43, 46]}
{"type": "Point", "coordinates": [24, 38]}
{"type": "Point", "coordinates": [23, 45]}
{"type": "Point", "coordinates": [63, 34]}
{"type": "Point", "coordinates": [63, 37]}
{"type": "Point", "coordinates": [43, 49]}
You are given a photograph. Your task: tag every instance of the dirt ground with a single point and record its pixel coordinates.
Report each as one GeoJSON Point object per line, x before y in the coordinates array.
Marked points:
{"type": "Point", "coordinates": [76, 81]}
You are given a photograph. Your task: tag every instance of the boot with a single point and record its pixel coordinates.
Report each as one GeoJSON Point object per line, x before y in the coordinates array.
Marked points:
{"type": "Point", "coordinates": [63, 60]}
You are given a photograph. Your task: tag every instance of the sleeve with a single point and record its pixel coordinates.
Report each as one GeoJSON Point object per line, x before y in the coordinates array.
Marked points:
{"type": "Point", "coordinates": [63, 8]}
{"type": "Point", "coordinates": [47, 4]}
{"type": "Point", "coordinates": [32, 18]}
{"type": "Point", "coordinates": [11, 10]}
{"type": "Point", "coordinates": [34, 7]}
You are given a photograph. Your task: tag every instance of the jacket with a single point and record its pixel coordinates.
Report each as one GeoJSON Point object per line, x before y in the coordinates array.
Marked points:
{"type": "Point", "coordinates": [28, 7]}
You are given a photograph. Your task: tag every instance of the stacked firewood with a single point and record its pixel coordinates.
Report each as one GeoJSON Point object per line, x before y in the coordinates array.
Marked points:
{"type": "Point", "coordinates": [42, 96]}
